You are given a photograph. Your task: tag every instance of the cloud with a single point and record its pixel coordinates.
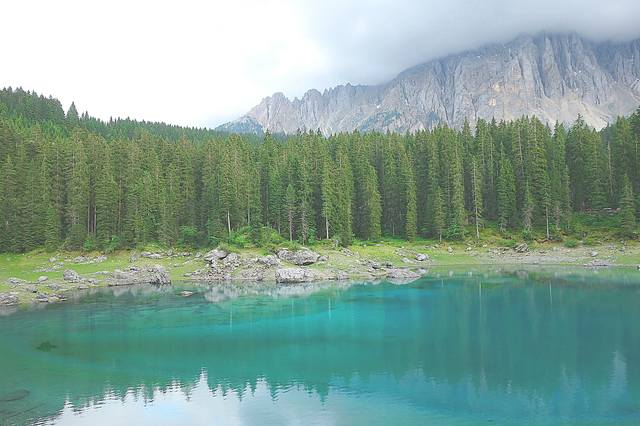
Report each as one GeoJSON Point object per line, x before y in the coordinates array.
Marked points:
{"type": "Point", "coordinates": [203, 63]}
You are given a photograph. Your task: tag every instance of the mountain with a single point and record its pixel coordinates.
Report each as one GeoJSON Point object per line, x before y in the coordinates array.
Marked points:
{"type": "Point", "coordinates": [553, 76]}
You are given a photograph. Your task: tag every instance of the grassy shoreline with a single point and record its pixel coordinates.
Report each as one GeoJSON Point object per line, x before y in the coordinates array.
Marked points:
{"type": "Point", "coordinates": [351, 263]}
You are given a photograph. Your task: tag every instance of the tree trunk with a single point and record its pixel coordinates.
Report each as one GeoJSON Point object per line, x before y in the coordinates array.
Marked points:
{"type": "Point", "coordinates": [228, 222]}
{"type": "Point", "coordinates": [326, 225]}
{"type": "Point", "coordinates": [546, 213]}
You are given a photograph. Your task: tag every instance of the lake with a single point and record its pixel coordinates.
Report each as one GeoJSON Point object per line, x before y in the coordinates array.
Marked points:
{"type": "Point", "coordinates": [546, 347]}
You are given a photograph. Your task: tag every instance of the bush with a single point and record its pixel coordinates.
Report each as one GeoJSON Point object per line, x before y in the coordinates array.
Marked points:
{"type": "Point", "coordinates": [188, 236]}
{"type": "Point", "coordinates": [571, 243]}
{"type": "Point", "coordinates": [111, 245]}
{"type": "Point", "coordinates": [510, 243]}
{"type": "Point", "coordinates": [453, 233]}
{"type": "Point", "coordinates": [590, 241]}
{"type": "Point", "coordinates": [89, 244]}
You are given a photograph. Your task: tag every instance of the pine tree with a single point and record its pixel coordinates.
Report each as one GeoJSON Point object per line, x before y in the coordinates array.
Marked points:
{"type": "Point", "coordinates": [476, 188]}
{"type": "Point", "coordinates": [290, 208]}
{"type": "Point", "coordinates": [627, 209]}
{"type": "Point", "coordinates": [506, 198]}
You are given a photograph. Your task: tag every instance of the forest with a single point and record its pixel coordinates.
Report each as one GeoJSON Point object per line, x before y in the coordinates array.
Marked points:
{"type": "Point", "coordinates": [71, 181]}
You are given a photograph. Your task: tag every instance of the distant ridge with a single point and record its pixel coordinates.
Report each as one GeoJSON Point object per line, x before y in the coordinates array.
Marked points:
{"type": "Point", "coordinates": [553, 76]}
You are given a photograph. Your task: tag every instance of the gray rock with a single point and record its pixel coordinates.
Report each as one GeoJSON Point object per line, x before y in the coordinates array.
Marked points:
{"type": "Point", "coordinates": [594, 254]}
{"type": "Point", "coordinates": [421, 257]}
{"type": "Point", "coordinates": [186, 293]}
{"type": "Point", "coordinates": [215, 254]}
{"type": "Point", "coordinates": [450, 249]}
{"type": "Point", "coordinates": [522, 248]}
{"type": "Point", "coordinates": [42, 298]}
{"type": "Point", "coordinates": [80, 259]}
{"type": "Point", "coordinates": [551, 76]}
{"type": "Point", "coordinates": [232, 260]}
{"type": "Point", "coordinates": [398, 273]}
{"type": "Point", "coordinates": [15, 281]}
{"type": "Point", "coordinates": [269, 260]}
{"type": "Point", "coordinates": [159, 276]}
{"type": "Point", "coordinates": [293, 275]}
{"type": "Point", "coordinates": [70, 275]}
{"type": "Point", "coordinates": [42, 278]}
{"type": "Point", "coordinates": [7, 299]}
{"type": "Point", "coordinates": [301, 257]}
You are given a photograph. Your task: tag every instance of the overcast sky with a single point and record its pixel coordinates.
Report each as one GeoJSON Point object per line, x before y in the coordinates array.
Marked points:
{"type": "Point", "coordinates": [202, 63]}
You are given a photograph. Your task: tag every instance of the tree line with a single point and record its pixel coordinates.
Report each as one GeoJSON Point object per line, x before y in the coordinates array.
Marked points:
{"type": "Point", "coordinates": [72, 181]}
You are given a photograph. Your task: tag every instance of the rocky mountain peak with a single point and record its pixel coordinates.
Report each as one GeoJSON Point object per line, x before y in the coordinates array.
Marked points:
{"type": "Point", "coordinates": [553, 76]}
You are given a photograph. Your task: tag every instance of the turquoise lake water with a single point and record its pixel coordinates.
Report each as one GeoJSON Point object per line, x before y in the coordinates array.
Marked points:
{"type": "Point", "coordinates": [518, 348]}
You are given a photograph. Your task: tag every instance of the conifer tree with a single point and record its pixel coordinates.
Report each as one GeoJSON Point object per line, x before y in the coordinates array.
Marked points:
{"type": "Point", "coordinates": [627, 209]}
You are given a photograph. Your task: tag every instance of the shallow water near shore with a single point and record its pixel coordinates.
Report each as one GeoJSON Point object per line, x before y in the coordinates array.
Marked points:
{"type": "Point", "coordinates": [497, 348]}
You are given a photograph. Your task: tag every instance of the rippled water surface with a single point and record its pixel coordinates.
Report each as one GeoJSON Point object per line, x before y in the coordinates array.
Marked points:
{"type": "Point", "coordinates": [544, 348]}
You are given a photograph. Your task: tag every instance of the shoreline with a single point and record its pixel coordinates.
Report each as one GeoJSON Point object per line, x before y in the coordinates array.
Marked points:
{"type": "Point", "coordinates": [41, 278]}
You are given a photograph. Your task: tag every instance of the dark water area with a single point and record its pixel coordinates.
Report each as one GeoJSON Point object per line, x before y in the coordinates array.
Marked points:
{"type": "Point", "coordinates": [552, 348]}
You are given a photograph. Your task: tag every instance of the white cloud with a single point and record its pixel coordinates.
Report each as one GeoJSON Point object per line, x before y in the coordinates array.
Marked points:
{"type": "Point", "coordinates": [205, 62]}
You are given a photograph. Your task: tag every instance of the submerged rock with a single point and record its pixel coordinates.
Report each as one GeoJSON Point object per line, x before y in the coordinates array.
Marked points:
{"type": "Point", "coordinates": [14, 395]}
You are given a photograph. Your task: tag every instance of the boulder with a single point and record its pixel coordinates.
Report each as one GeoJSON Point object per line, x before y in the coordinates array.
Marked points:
{"type": "Point", "coordinates": [70, 275]}
{"type": "Point", "coordinates": [42, 298]}
{"type": "Point", "coordinates": [7, 299]}
{"type": "Point", "coordinates": [215, 254]}
{"type": "Point", "coordinates": [521, 248]}
{"type": "Point", "coordinates": [149, 255]}
{"type": "Point", "coordinates": [398, 273]}
{"type": "Point", "coordinates": [15, 281]}
{"type": "Point", "coordinates": [80, 259]}
{"type": "Point", "coordinates": [159, 276]}
{"type": "Point", "coordinates": [42, 278]}
{"type": "Point", "coordinates": [293, 275]}
{"type": "Point", "coordinates": [186, 293]}
{"type": "Point", "coordinates": [269, 260]}
{"type": "Point", "coordinates": [232, 260]}
{"type": "Point", "coordinates": [421, 257]}
{"type": "Point", "coordinates": [594, 254]}
{"type": "Point", "coordinates": [301, 257]}
{"type": "Point", "coordinates": [450, 249]}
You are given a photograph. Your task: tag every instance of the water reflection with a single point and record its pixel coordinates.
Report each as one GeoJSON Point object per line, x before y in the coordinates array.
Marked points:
{"type": "Point", "coordinates": [542, 348]}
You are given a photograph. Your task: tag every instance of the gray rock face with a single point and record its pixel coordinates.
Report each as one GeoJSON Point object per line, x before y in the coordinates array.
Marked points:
{"type": "Point", "coordinates": [299, 257]}
{"type": "Point", "coordinates": [293, 275]}
{"type": "Point", "coordinates": [421, 257]}
{"type": "Point", "coordinates": [554, 77]}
